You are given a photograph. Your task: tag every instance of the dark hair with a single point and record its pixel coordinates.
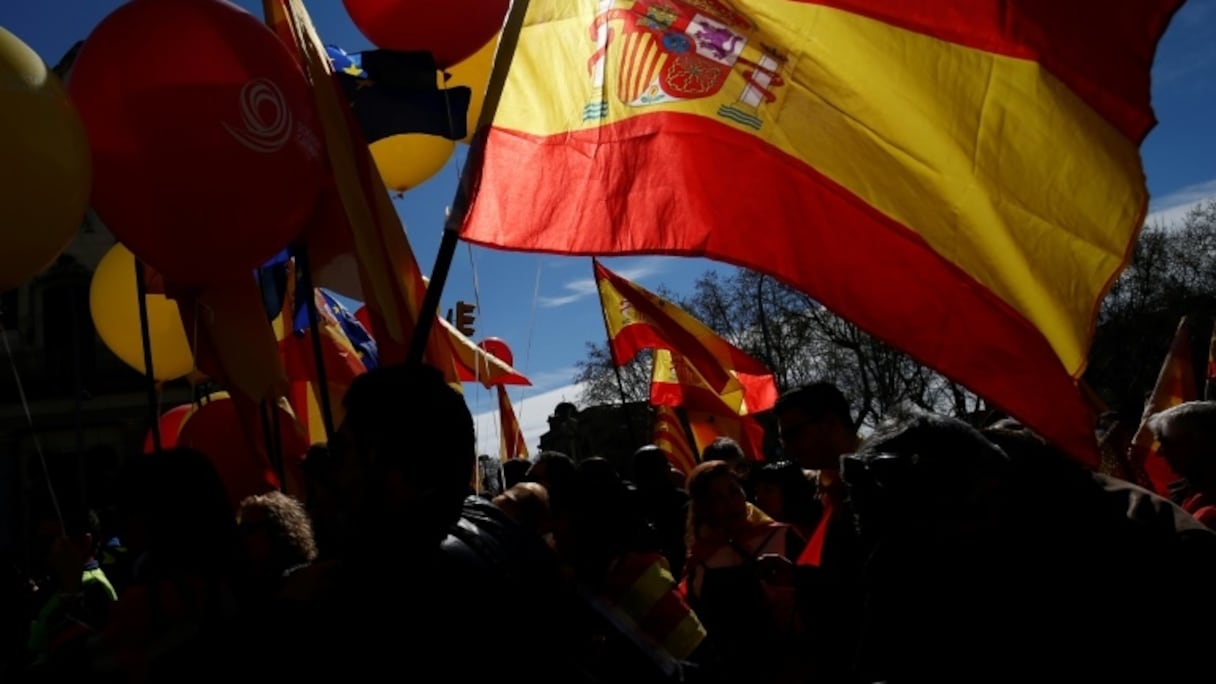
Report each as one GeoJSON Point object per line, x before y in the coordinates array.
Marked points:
{"type": "Point", "coordinates": [415, 423]}
{"type": "Point", "coordinates": [798, 492]}
{"type": "Point", "coordinates": [184, 507]}
{"type": "Point", "coordinates": [817, 400]}
{"type": "Point", "coordinates": [723, 449]}
{"type": "Point", "coordinates": [559, 472]}
{"type": "Point", "coordinates": [606, 518]}
{"type": "Point", "coordinates": [515, 471]}
{"type": "Point", "coordinates": [924, 465]}
{"type": "Point", "coordinates": [651, 467]}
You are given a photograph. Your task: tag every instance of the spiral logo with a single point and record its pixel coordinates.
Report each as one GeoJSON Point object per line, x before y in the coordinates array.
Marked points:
{"type": "Point", "coordinates": [265, 117]}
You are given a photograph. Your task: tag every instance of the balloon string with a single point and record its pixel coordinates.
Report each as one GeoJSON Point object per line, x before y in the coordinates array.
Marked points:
{"type": "Point", "coordinates": [29, 418]}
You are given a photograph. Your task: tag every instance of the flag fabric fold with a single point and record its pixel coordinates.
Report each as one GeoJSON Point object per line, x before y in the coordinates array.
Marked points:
{"type": "Point", "coordinates": [357, 219]}
{"type": "Point", "coordinates": [710, 415]}
{"type": "Point", "coordinates": [669, 435]}
{"type": "Point", "coordinates": [960, 178]}
{"type": "Point", "coordinates": [474, 364]}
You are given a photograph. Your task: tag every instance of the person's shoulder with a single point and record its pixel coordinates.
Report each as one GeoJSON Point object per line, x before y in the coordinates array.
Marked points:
{"type": "Point", "coordinates": [1150, 510]}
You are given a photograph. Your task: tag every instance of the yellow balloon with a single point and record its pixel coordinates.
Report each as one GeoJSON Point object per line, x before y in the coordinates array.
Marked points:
{"type": "Point", "coordinates": [114, 303]}
{"type": "Point", "coordinates": [474, 73]}
{"type": "Point", "coordinates": [407, 161]}
{"type": "Point", "coordinates": [45, 173]}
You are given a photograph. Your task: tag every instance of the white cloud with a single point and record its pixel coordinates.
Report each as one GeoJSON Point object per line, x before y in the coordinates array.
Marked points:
{"type": "Point", "coordinates": [1172, 208]}
{"type": "Point", "coordinates": [581, 288]}
{"type": "Point", "coordinates": [546, 380]}
{"type": "Point", "coordinates": [533, 415]}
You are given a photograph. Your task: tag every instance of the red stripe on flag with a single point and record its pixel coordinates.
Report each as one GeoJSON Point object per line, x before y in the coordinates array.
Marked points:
{"type": "Point", "coordinates": [961, 328]}
{"type": "Point", "coordinates": [1101, 49]}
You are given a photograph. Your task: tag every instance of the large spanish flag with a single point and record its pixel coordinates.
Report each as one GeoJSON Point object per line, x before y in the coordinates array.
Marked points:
{"type": "Point", "coordinates": [638, 319]}
{"type": "Point", "coordinates": [960, 178]}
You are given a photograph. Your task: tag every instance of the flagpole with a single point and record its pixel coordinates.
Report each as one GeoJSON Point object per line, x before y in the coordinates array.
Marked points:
{"type": "Point", "coordinates": [465, 188]}
{"type": "Point", "coordinates": [141, 291]}
{"type": "Point", "coordinates": [314, 318]}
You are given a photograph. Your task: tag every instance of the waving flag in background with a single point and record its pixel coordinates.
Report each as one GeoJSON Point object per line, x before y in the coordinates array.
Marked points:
{"type": "Point", "coordinates": [669, 436]}
{"type": "Point", "coordinates": [512, 443]}
{"type": "Point", "coordinates": [711, 414]}
{"type": "Point", "coordinates": [1175, 385]}
{"type": "Point", "coordinates": [960, 178]}
{"type": "Point", "coordinates": [638, 319]}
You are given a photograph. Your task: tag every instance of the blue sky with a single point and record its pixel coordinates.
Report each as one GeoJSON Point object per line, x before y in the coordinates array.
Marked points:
{"type": "Point", "coordinates": [548, 325]}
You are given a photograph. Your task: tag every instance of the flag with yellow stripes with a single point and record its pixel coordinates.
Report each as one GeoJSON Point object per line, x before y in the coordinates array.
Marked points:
{"type": "Point", "coordinates": [959, 178]}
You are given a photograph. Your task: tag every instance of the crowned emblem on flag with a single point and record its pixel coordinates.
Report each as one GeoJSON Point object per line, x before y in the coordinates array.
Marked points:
{"type": "Point", "coordinates": [680, 50]}
{"type": "Point", "coordinates": [628, 313]}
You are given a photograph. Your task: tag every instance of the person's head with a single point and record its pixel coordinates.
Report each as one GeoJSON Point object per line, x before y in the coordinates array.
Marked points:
{"type": "Point", "coordinates": [405, 453]}
{"type": "Point", "coordinates": [725, 449]}
{"type": "Point", "coordinates": [277, 533]}
{"type": "Point", "coordinates": [515, 471]}
{"type": "Point", "coordinates": [927, 477]}
{"type": "Point", "coordinates": [599, 520]}
{"type": "Point", "coordinates": [527, 503]}
{"type": "Point", "coordinates": [174, 505]}
{"type": "Point", "coordinates": [651, 469]}
{"type": "Point", "coordinates": [816, 425]}
{"type": "Point", "coordinates": [716, 497]}
{"type": "Point", "coordinates": [1186, 435]}
{"type": "Point", "coordinates": [784, 492]}
{"type": "Point", "coordinates": [555, 471]}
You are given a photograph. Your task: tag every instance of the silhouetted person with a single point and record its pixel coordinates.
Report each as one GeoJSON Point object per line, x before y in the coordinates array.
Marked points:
{"type": "Point", "coordinates": [664, 504]}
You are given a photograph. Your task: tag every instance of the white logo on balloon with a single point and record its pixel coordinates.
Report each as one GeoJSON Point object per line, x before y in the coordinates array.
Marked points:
{"type": "Point", "coordinates": [262, 134]}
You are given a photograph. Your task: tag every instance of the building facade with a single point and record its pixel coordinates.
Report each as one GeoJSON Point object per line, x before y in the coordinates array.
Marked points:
{"type": "Point", "coordinates": [75, 402]}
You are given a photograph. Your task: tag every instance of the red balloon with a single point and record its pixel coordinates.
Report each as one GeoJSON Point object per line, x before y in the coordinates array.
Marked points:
{"type": "Point", "coordinates": [498, 348]}
{"type": "Point", "coordinates": [451, 30]}
{"type": "Point", "coordinates": [215, 430]}
{"type": "Point", "coordinates": [170, 427]}
{"type": "Point", "coordinates": [207, 154]}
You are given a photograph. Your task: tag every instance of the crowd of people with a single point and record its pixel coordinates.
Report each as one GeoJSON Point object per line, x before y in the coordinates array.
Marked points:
{"type": "Point", "coordinates": [930, 551]}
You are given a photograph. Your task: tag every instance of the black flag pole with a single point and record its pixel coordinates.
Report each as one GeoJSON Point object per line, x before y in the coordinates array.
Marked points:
{"type": "Point", "coordinates": [141, 289]}
{"type": "Point", "coordinates": [466, 188]}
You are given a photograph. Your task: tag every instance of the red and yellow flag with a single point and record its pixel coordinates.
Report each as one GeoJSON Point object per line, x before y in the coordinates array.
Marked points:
{"type": "Point", "coordinates": [342, 361]}
{"type": "Point", "coordinates": [670, 437]}
{"type": "Point", "coordinates": [675, 382]}
{"type": "Point", "coordinates": [474, 364]}
{"type": "Point", "coordinates": [746, 430]}
{"type": "Point", "coordinates": [959, 178]}
{"type": "Point", "coordinates": [638, 319]}
{"type": "Point", "coordinates": [512, 443]}
{"type": "Point", "coordinates": [711, 415]}
{"type": "Point", "coordinates": [1175, 385]}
